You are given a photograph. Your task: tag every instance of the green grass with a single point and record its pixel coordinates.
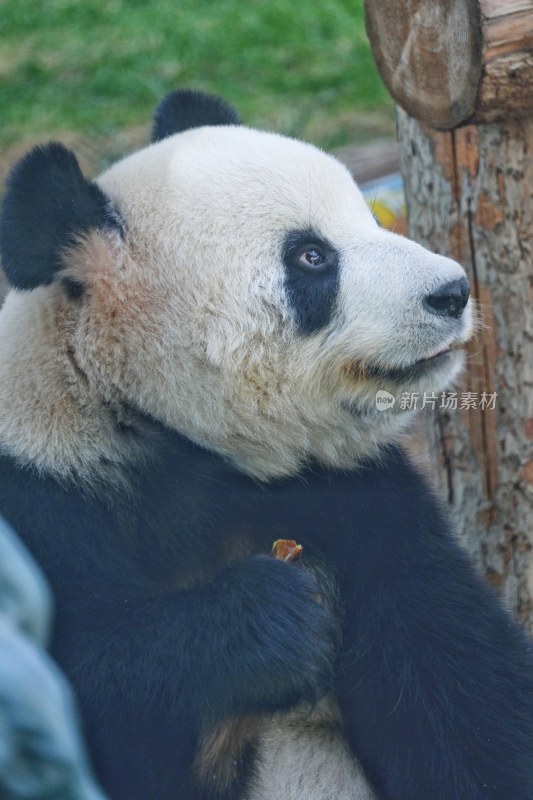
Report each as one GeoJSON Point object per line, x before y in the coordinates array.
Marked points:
{"type": "Point", "coordinates": [97, 67]}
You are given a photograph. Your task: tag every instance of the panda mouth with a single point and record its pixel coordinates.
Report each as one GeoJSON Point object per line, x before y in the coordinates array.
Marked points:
{"type": "Point", "coordinates": [422, 366]}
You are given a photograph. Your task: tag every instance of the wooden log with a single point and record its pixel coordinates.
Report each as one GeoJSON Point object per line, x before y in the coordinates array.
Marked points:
{"type": "Point", "coordinates": [470, 196]}
{"type": "Point", "coordinates": [454, 62]}
{"type": "Point", "coordinates": [370, 161]}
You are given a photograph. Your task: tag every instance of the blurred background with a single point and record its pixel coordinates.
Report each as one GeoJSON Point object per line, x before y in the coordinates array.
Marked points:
{"type": "Point", "coordinates": [93, 70]}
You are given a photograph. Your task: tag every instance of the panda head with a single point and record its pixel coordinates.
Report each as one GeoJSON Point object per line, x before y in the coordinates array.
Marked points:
{"type": "Point", "coordinates": [229, 283]}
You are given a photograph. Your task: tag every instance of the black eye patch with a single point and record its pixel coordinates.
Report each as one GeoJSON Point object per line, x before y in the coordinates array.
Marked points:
{"type": "Point", "coordinates": [311, 279]}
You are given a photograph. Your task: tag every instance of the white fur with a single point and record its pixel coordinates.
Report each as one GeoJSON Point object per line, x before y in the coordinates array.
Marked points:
{"type": "Point", "coordinates": [304, 756]}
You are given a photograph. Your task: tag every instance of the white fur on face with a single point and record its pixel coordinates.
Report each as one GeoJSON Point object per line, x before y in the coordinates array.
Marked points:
{"type": "Point", "coordinates": [188, 319]}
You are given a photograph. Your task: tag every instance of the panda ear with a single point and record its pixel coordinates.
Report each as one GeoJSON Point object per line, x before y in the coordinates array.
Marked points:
{"type": "Point", "coordinates": [186, 108]}
{"type": "Point", "coordinates": [47, 204]}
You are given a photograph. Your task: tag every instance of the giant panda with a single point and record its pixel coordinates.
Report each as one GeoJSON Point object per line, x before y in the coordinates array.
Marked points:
{"type": "Point", "coordinates": [189, 361]}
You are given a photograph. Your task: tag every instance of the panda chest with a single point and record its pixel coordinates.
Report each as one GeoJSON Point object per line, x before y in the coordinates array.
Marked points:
{"type": "Point", "coordinates": [196, 516]}
{"type": "Point", "coordinates": [189, 549]}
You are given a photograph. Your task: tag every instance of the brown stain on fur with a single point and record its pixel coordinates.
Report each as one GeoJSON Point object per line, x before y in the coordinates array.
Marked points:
{"type": "Point", "coordinates": [355, 369]}
{"type": "Point", "coordinates": [222, 752]}
{"type": "Point", "coordinates": [119, 301]}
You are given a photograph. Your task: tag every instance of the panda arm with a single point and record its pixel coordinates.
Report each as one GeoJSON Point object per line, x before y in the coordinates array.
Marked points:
{"type": "Point", "coordinates": [213, 653]}
{"type": "Point", "coordinates": [436, 680]}
{"type": "Point", "coordinates": [252, 638]}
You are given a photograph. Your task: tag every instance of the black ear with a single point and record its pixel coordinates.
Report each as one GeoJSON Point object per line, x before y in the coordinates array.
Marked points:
{"type": "Point", "coordinates": [47, 204]}
{"type": "Point", "coordinates": [186, 108]}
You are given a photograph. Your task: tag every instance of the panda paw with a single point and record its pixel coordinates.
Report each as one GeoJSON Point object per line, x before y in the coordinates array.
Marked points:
{"type": "Point", "coordinates": [286, 638]}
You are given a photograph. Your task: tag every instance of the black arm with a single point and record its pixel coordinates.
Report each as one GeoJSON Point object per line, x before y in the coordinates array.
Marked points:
{"type": "Point", "coordinates": [154, 667]}
{"type": "Point", "coordinates": [154, 675]}
{"type": "Point", "coordinates": [253, 640]}
{"type": "Point", "coordinates": [436, 680]}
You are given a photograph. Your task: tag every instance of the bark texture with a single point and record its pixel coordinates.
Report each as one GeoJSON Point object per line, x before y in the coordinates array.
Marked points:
{"type": "Point", "coordinates": [470, 196]}
{"type": "Point", "coordinates": [506, 87]}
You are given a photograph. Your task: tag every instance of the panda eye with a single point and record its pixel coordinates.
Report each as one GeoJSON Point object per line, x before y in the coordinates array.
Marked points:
{"type": "Point", "coordinates": [311, 258]}
{"type": "Point", "coordinates": [306, 252]}
{"type": "Point", "coordinates": [312, 278]}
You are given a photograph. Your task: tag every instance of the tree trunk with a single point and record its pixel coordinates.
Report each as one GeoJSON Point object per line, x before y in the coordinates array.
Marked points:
{"type": "Point", "coordinates": [470, 196]}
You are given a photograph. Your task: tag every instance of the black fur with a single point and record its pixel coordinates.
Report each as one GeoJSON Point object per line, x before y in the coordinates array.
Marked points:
{"type": "Point", "coordinates": [171, 618]}
{"type": "Point", "coordinates": [312, 293]}
{"type": "Point", "coordinates": [187, 108]}
{"type": "Point", "coordinates": [47, 204]}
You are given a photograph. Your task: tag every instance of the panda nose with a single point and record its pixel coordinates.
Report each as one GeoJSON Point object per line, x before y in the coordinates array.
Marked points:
{"type": "Point", "coordinates": [449, 300]}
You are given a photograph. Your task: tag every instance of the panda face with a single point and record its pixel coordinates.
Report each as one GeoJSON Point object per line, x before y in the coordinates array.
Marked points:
{"type": "Point", "coordinates": [282, 302]}
{"type": "Point", "coordinates": [250, 300]}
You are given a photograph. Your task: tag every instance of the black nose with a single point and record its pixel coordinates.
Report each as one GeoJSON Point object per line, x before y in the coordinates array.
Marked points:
{"type": "Point", "coordinates": [449, 300]}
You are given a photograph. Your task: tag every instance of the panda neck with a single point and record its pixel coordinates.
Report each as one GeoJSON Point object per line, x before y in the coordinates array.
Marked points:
{"type": "Point", "coordinates": [50, 415]}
